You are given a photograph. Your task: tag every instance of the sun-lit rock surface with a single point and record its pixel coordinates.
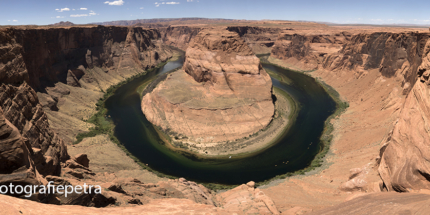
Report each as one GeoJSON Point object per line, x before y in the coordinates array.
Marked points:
{"type": "Point", "coordinates": [222, 93]}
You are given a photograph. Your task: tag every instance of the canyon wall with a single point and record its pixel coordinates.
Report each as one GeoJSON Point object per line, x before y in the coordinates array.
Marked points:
{"type": "Point", "coordinates": [42, 57]}
{"type": "Point", "coordinates": [307, 51]}
{"type": "Point", "coordinates": [42, 73]}
{"type": "Point", "coordinates": [259, 39]}
{"type": "Point", "coordinates": [179, 36]}
{"type": "Point", "coordinates": [401, 58]}
{"type": "Point", "coordinates": [405, 158]}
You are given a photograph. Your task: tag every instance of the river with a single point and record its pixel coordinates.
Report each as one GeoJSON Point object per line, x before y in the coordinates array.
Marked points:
{"type": "Point", "coordinates": [294, 151]}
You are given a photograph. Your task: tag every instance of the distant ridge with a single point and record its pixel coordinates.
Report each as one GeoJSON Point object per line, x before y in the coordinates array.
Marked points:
{"type": "Point", "coordinates": [67, 23]}
{"type": "Point", "coordinates": [401, 25]}
{"type": "Point", "coordinates": [191, 20]}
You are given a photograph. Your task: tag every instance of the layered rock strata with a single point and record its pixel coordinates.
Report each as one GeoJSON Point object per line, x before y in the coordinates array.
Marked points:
{"type": "Point", "coordinates": [58, 72]}
{"type": "Point", "coordinates": [259, 39]}
{"type": "Point", "coordinates": [222, 93]}
{"type": "Point", "coordinates": [70, 68]}
{"type": "Point", "coordinates": [43, 57]}
{"type": "Point", "coordinates": [405, 156]}
{"type": "Point", "coordinates": [393, 67]}
{"type": "Point", "coordinates": [307, 51]}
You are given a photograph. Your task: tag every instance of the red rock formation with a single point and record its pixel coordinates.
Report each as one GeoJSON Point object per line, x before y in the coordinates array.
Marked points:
{"type": "Point", "coordinates": [30, 151]}
{"type": "Point", "coordinates": [259, 39]}
{"type": "Point", "coordinates": [222, 94]}
{"type": "Point", "coordinates": [307, 51]}
{"type": "Point", "coordinates": [394, 54]}
{"type": "Point", "coordinates": [49, 54]}
{"type": "Point", "coordinates": [404, 57]}
{"type": "Point", "coordinates": [381, 203]}
{"type": "Point", "coordinates": [22, 108]}
{"type": "Point", "coordinates": [405, 156]}
{"type": "Point", "coordinates": [242, 200]}
{"type": "Point", "coordinates": [179, 36]}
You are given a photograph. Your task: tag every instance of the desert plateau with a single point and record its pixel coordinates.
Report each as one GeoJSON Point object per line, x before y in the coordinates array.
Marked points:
{"type": "Point", "coordinates": [257, 112]}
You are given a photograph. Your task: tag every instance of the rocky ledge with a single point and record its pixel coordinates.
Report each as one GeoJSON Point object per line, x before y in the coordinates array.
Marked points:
{"type": "Point", "coordinates": [221, 94]}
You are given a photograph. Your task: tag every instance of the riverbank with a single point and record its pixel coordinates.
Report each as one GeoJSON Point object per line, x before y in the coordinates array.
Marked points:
{"type": "Point", "coordinates": [125, 107]}
{"type": "Point", "coordinates": [327, 135]}
{"type": "Point", "coordinates": [103, 129]}
{"type": "Point", "coordinates": [286, 110]}
{"type": "Point", "coordinates": [354, 136]}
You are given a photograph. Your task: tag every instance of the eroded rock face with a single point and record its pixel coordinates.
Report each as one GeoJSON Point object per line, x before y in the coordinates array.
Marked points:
{"type": "Point", "coordinates": [395, 55]}
{"type": "Point", "coordinates": [179, 36]}
{"type": "Point", "coordinates": [22, 109]}
{"type": "Point", "coordinates": [405, 156]}
{"type": "Point", "coordinates": [222, 93]}
{"type": "Point", "coordinates": [259, 39]}
{"type": "Point", "coordinates": [403, 57]}
{"type": "Point", "coordinates": [307, 51]}
{"type": "Point", "coordinates": [42, 57]}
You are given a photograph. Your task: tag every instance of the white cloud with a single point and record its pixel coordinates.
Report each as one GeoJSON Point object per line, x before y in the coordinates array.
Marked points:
{"type": "Point", "coordinates": [59, 17]}
{"type": "Point", "coordinates": [83, 8]}
{"type": "Point", "coordinates": [157, 4]}
{"type": "Point", "coordinates": [63, 9]}
{"type": "Point", "coordinates": [118, 3]}
{"type": "Point", "coordinates": [14, 20]}
{"type": "Point", "coordinates": [78, 15]}
{"type": "Point", "coordinates": [92, 13]}
{"type": "Point", "coordinates": [141, 8]}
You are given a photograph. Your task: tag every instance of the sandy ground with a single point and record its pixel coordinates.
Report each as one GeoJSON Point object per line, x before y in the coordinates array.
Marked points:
{"type": "Point", "coordinates": [106, 156]}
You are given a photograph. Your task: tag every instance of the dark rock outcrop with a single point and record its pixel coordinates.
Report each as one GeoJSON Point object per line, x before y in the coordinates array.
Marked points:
{"type": "Point", "coordinates": [42, 57]}
{"type": "Point", "coordinates": [21, 108]}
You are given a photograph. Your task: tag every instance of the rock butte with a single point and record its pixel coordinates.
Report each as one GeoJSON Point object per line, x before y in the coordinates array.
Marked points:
{"type": "Point", "coordinates": [221, 94]}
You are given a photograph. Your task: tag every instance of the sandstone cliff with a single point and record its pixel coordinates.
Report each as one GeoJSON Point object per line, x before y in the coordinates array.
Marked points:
{"type": "Point", "coordinates": [383, 76]}
{"type": "Point", "coordinates": [22, 109]}
{"type": "Point", "coordinates": [307, 51]}
{"type": "Point", "coordinates": [402, 57]}
{"type": "Point", "coordinates": [71, 67]}
{"type": "Point", "coordinates": [405, 156]}
{"type": "Point", "coordinates": [47, 56]}
{"type": "Point", "coordinates": [395, 55]}
{"type": "Point", "coordinates": [56, 73]}
{"type": "Point", "coordinates": [179, 36]}
{"type": "Point", "coordinates": [259, 39]}
{"type": "Point", "coordinates": [222, 93]}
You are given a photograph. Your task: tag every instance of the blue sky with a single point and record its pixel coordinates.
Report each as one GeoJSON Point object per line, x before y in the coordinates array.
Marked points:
{"type": "Point", "coordinates": [42, 12]}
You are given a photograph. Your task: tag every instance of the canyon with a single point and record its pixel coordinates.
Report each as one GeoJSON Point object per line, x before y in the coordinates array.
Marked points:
{"type": "Point", "coordinates": [52, 78]}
